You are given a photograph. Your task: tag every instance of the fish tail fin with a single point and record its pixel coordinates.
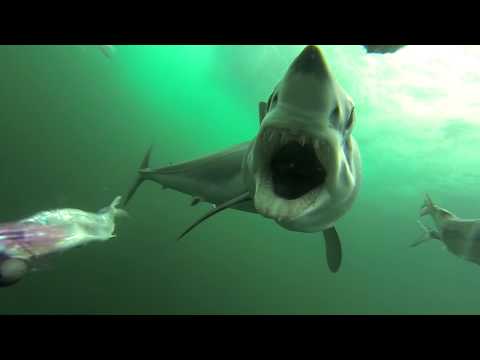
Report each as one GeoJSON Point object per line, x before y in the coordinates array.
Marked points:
{"type": "Point", "coordinates": [141, 177]}
{"type": "Point", "coordinates": [117, 212]}
{"type": "Point", "coordinates": [427, 207]}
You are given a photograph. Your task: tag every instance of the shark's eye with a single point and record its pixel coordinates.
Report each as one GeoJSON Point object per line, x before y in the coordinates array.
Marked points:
{"type": "Point", "coordinates": [335, 117]}
{"type": "Point", "coordinates": [350, 121]}
{"type": "Point", "coordinates": [274, 101]}
{"type": "Point", "coordinates": [335, 112]}
{"type": "Point", "coordinates": [445, 214]}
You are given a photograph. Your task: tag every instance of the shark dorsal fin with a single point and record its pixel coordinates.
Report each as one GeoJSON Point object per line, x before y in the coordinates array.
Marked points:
{"type": "Point", "coordinates": [262, 110]}
{"type": "Point", "coordinates": [235, 201]}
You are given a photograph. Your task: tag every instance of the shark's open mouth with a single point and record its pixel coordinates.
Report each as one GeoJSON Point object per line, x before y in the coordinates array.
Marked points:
{"type": "Point", "coordinates": [292, 172]}
{"type": "Point", "coordinates": [296, 170]}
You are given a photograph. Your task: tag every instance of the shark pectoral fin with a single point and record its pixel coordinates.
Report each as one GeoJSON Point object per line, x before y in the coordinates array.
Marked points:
{"type": "Point", "coordinates": [333, 248]}
{"type": "Point", "coordinates": [141, 177]}
{"type": "Point", "coordinates": [427, 235]}
{"type": "Point", "coordinates": [262, 110]}
{"type": "Point", "coordinates": [422, 239]}
{"type": "Point", "coordinates": [235, 201]}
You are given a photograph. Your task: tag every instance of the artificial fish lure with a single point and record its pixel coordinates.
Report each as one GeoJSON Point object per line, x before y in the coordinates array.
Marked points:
{"type": "Point", "coordinates": [49, 232]}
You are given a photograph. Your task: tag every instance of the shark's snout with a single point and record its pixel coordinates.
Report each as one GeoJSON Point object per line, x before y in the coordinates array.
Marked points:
{"type": "Point", "coordinates": [310, 60]}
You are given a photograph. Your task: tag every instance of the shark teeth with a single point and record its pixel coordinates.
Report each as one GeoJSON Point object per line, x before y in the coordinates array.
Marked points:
{"type": "Point", "coordinates": [272, 138]}
{"type": "Point", "coordinates": [271, 206]}
{"type": "Point", "coordinates": [283, 136]}
{"type": "Point", "coordinates": [302, 140]}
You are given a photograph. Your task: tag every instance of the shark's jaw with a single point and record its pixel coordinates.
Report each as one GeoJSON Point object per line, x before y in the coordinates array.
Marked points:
{"type": "Point", "coordinates": [293, 170]}
{"type": "Point", "coordinates": [304, 165]}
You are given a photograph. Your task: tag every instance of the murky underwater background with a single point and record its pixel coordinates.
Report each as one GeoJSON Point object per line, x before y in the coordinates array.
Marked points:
{"type": "Point", "coordinates": [75, 126]}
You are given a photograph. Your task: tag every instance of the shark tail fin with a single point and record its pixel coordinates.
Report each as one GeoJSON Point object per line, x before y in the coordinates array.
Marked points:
{"type": "Point", "coordinates": [141, 177]}
{"type": "Point", "coordinates": [427, 207]}
{"type": "Point", "coordinates": [117, 212]}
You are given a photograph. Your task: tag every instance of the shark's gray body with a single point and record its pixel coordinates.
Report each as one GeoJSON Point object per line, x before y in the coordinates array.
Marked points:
{"type": "Point", "coordinates": [303, 168]}
{"type": "Point", "coordinates": [107, 50]}
{"type": "Point", "coordinates": [382, 49]}
{"type": "Point", "coordinates": [460, 236]}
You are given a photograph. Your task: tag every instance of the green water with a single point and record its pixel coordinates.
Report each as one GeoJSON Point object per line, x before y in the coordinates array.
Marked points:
{"type": "Point", "coordinates": [74, 127]}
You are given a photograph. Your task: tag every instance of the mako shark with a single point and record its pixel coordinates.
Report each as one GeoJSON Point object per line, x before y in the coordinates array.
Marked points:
{"type": "Point", "coordinates": [302, 170]}
{"type": "Point", "coordinates": [461, 237]}
{"type": "Point", "coordinates": [107, 50]}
